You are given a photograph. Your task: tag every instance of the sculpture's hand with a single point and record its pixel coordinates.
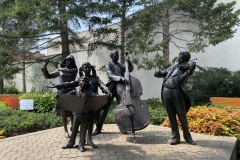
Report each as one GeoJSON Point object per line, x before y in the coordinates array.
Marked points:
{"type": "Point", "coordinates": [58, 86]}
{"type": "Point", "coordinates": [57, 65]}
{"type": "Point", "coordinates": [124, 80]}
{"type": "Point", "coordinates": [64, 70]}
{"type": "Point", "coordinates": [50, 86]}
{"type": "Point", "coordinates": [109, 94]}
{"type": "Point", "coordinates": [192, 67]}
{"type": "Point", "coordinates": [46, 62]}
{"type": "Point", "coordinates": [80, 69]}
{"type": "Point", "coordinates": [156, 73]}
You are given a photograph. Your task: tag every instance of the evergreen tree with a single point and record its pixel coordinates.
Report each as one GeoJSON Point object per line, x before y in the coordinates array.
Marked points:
{"type": "Point", "coordinates": [30, 23]}
{"type": "Point", "coordinates": [118, 37]}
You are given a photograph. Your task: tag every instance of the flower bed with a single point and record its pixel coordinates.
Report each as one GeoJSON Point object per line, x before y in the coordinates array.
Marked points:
{"type": "Point", "coordinates": [220, 121]}
{"type": "Point", "coordinates": [11, 101]}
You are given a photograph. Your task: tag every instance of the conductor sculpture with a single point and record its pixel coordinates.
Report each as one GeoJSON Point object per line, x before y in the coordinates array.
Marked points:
{"type": "Point", "coordinates": [175, 99]}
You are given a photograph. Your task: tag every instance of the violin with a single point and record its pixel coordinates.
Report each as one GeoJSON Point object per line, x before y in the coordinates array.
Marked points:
{"type": "Point", "coordinates": [187, 65]}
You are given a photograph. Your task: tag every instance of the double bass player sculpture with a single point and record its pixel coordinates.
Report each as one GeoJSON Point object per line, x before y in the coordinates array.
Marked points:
{"type": "Point", "coordinates": [131, 113]}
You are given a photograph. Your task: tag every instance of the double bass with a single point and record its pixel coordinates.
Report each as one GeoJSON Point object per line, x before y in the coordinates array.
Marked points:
{"type": "Point", "coordinates": [131, 113]}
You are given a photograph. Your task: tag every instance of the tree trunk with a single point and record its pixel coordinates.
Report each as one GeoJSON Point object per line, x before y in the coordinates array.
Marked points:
{"type": "Point", "coordinates": [1, 86]}
{"type": "Point", "coordinates": [24, 72]}
{"type": "Point", "coordinates": [24, 77]}
{"type": "Point", "coordinates": [123, 30]}
{"type": "Point", "coordinates": [166, 37]}
{"type": "Point", "coordinates": [63, 29]}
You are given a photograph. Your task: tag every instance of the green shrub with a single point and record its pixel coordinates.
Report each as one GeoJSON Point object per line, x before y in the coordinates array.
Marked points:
{"type": "Point", "coordinates": [110, 119]}
{"type": "Point", "coordinates": [213, 82]}
{"type": "Point", "coordinates": [18, 122]}
{"type": "Point", "coordinates": [43, 103]}
{"type": "Point", "coordinates": [157, 114]}
{"type": "Point", "coordinates": [2, 106]}
{"type": "Point", "coordinates": [235, 86]}
{"type": "Point", "coordinates": [11, 90]}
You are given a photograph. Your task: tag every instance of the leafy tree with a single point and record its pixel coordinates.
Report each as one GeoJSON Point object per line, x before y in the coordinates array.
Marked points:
{"type": "Point", "coordinates": [114, 11]}
{"type": "Point", "coordinates": [56, 19]}
{"type": "Point", "coordinates": [30, 23]}
{"type": "Point", "coordinates": [7, 48]}
{"type": "Point", "coordinates": [63, 19]}
{"type": "Point", "coordinates": [20, 26]}
{"type": "Point", "coordinates": [38, 80]}
{"type": "Point", "coordinates": [197, 24]}
{"type": "Point", "coordinates": [7, 65]}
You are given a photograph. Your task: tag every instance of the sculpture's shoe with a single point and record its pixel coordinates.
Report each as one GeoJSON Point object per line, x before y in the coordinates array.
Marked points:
{"type": "Point", "coordinates": [67, 135]}
{"type": "Point", "coordinates": [174, 142]}
{"type": "Point", "coordinates": [67, 146]}
{"type": "Point", "coordinates": [96, 132]}
{"type": "Point", "coordinates": [82, 148]}
{"type": "Point", "coordinates": [191, 142]}
{"type": "Point", "coordinates": [90, 143]}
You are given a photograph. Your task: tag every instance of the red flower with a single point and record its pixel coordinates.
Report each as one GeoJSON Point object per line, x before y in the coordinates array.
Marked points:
{"type": "Point", "coordinates": [12, 101]}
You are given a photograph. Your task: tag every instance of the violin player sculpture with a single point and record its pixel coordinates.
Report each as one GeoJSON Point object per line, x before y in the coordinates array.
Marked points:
{"type": "Point", "coordinates": [174, 97]}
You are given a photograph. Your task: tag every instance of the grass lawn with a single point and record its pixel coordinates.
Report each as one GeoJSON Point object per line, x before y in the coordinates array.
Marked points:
{"type": "Point", "coordinates": [2, 106]}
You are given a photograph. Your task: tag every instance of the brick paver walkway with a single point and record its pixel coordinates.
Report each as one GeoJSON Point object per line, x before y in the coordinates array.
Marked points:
{"type": "Point", "coordinates": [151, 144]}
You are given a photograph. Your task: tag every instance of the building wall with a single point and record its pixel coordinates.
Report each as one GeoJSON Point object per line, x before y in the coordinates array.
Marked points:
{"type": "Point", "coordinates": [18, 80]}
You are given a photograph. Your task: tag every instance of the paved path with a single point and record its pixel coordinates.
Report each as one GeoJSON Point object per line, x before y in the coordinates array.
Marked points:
{"type": "Point", "coordinates": [151, 144]}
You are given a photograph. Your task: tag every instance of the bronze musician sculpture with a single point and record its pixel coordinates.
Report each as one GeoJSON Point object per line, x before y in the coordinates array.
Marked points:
{"type": "Point", "coordinates": [131, 113]}
{"type": "Point", "coordinates": [174, 97]}
{"type": "Point", "coordinates": [66, 71]}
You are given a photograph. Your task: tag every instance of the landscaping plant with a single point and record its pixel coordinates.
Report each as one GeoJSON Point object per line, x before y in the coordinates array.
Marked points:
{"type": "Point", "coordinates": [43, 103]}
{"type": "Point", "coordinates": [213, 82]}
{"type": "Point", "coordinates": [218, 121]}
{"type": "Point", "coordinates": [15, 122]}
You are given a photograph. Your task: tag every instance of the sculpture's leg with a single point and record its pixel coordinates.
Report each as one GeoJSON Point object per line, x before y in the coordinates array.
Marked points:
{"type": "Point", "coordinates": [83, 130]}
{"type": "Point", "coordinates": [64, 122]}
{"type": "Point", "coordinates": [90, 130]}
{"type": "Point", "coordinates": [131, 118]}
{"type": "Point", "coordinates": [71, 119]}
{"type": "Point", "coordinates": [71, 141]}
{"type": "Point", "coordinates": [103, 116]}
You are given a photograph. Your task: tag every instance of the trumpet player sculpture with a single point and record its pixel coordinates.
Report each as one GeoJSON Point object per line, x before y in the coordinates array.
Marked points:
{"type": "Point", "coordinates": [67, 72]}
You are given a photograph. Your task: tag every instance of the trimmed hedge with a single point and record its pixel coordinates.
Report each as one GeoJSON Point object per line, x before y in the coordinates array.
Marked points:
{"type": "Point", "coordinates": [43, 103]}
{"type": "Point", "coordinates": [15, 122]}
{"type": "Point", "coordinates": [213, 82]}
